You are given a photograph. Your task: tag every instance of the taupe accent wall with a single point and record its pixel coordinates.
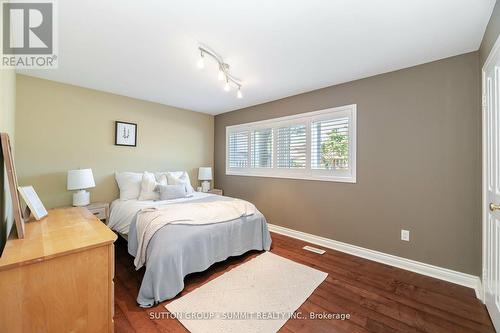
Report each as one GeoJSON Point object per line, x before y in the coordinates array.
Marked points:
{"type": "Point", "coordinates": [491, 34]}
{"type": "Point", "coordinates": [61, 127]}
{"type": "Point", "coordinates": [418, 166]}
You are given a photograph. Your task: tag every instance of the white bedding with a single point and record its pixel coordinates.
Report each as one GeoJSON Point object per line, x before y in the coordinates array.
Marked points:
{"type": "Point", "coordinates": [124, 211]}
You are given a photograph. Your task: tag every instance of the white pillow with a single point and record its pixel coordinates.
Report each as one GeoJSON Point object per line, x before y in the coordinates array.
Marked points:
{"type": "Point", "coordinates": [129, 184]}
{"type": "Point", "coordinates": [148, 186]}
{"type": "Point", "coordinates": [180, 178]}
{"type": "Point", "coordinates": [162, 180]}
{"type": "Point", "coordinates": [159, 175]}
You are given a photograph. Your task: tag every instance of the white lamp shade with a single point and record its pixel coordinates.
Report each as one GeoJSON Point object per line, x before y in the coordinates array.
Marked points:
{"type": "Point", "coordinates": [205, 173]}
{"type": "Point", "coordinates": [80, 179]}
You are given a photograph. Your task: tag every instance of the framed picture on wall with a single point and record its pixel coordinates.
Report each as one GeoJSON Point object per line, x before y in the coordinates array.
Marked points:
{"type": "Point", "coordinates": [125, 134]}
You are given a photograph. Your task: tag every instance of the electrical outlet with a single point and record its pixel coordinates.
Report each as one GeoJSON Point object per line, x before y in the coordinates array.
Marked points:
{"type": "Point", "coordinates": [405, 235]}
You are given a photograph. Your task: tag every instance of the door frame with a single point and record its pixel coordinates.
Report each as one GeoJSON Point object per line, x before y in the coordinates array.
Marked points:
{"type": "Point", "coordinates": [484, 185]}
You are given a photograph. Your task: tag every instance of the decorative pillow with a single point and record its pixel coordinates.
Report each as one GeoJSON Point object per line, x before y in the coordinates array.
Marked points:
{"type": "Point", "coordinates": [148, 186]}
{"type": "Point", "coordinates": [180, 178]}
{"type": "Point", "coordinates": [169, 192]}
{"type": "Point", "coordinates": [160, 175]}
{"type": "Point", "coordinates": [129, 184]}
{"type": "Point", "coordinates": [162, 180]}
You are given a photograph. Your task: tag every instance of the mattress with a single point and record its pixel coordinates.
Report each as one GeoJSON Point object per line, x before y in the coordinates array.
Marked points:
{"type": "Point", "coordinates": [123, 212]}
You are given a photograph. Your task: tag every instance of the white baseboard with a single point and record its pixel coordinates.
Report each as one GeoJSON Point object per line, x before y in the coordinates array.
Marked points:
{"type": "Point", "coordinates": [467, 280]}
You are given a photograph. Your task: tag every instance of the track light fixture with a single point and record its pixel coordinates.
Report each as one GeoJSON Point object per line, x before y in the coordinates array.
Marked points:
{"type": "Point", "coordinates": [223, 74]}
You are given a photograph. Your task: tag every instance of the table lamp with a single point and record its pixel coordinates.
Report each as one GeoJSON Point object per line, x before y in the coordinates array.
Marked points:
{"type": "Point", "coordinates": [80, 180]}
{"type": "Point", "coordinates": [205, 175]}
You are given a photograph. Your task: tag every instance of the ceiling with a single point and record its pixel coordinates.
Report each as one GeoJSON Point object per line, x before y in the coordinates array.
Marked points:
{"type": "Point", "coordinates": [278, 48]}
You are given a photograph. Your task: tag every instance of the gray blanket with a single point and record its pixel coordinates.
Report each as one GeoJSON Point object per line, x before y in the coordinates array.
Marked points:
{"type": "Point", "coordinates": [177, 250]}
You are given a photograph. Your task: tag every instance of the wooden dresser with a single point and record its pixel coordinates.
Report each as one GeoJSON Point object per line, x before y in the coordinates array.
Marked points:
{"type": "Point", "coordinates": [60, 277]}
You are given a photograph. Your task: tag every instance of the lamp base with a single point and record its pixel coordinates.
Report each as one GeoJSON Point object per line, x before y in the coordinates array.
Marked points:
{"type": "Point", "coordinates": [205, 186]}
{"type": "Point", "coordinates": [81, 198]}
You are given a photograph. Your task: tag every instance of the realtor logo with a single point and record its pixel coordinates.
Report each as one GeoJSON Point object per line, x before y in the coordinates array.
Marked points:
{"type": "Point", "coordinates": [28, 35]}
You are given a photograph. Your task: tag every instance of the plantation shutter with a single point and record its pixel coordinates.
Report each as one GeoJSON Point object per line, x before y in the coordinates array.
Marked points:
{"type": "Point", "coordinates": [262, 148]}
{"type": "Point", "coordinates": [330, 144]}
{"type": "Point", "coordinates": [318, 145]}
{"type": "Point", "coordinates": [291, 147]}
{"type": "Point", "coordinates": [238, 149]}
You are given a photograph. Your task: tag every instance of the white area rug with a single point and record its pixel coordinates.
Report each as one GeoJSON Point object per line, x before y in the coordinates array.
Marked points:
{"type": "Point", "coordinates": [257, 296]}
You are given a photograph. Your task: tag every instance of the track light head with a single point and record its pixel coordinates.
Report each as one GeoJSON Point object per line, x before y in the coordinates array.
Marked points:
{"type": "Point", "coordinates": [201, 61]}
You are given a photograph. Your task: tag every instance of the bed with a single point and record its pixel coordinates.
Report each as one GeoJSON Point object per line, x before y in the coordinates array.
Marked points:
{"type": "Point", "coordinates": [177, 250]}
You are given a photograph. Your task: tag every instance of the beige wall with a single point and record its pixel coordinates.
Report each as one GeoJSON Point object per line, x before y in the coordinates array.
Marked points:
{"type": "Point", "coordinates": [491, 34]}
{"type": "Point", "coordinates": [418, 166]}
{"type": "Point", "coordinates": [7, 124]}
{"type": "Point", "coordinates": [61, 127]}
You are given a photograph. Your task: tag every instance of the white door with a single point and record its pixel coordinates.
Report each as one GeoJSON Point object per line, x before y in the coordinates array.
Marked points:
{"type": "Point", "coordinates": [491, 184]}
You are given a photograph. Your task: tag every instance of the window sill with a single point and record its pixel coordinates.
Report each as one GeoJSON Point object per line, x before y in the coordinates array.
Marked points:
{"type": "Point", "coordinates": [339, 179]}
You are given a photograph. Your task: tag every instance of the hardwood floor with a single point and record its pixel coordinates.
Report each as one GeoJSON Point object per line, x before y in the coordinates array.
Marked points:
{"type": "Point", "coordinates": [378, 297]}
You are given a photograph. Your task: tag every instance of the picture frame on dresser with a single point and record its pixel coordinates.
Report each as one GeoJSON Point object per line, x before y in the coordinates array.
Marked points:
{"type": "Point", "coordinates": [33, 202]}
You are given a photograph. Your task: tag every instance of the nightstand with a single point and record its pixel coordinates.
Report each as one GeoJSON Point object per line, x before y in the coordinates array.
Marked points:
{"type": "Point", "coordinates": [215, 191]}
{"type": "Point", "coordinates": [100, 210]}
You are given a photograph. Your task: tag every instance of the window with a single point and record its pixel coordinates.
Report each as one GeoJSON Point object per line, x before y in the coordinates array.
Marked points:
{"type": "Point", "coordinates": [238, 149]}
{"type": "Point", "coordinates": [262, 148]}
{"type": "Point", "coordinates": [330, 144]}
{"type": "Point", "coordinates": [291, 147]}
{"type": "Point", "coordinates": [319, 145]}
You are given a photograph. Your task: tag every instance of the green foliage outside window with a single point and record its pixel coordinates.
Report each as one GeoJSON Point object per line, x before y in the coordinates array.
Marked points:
{"type": "Point", "coordinates": [335, 150]}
